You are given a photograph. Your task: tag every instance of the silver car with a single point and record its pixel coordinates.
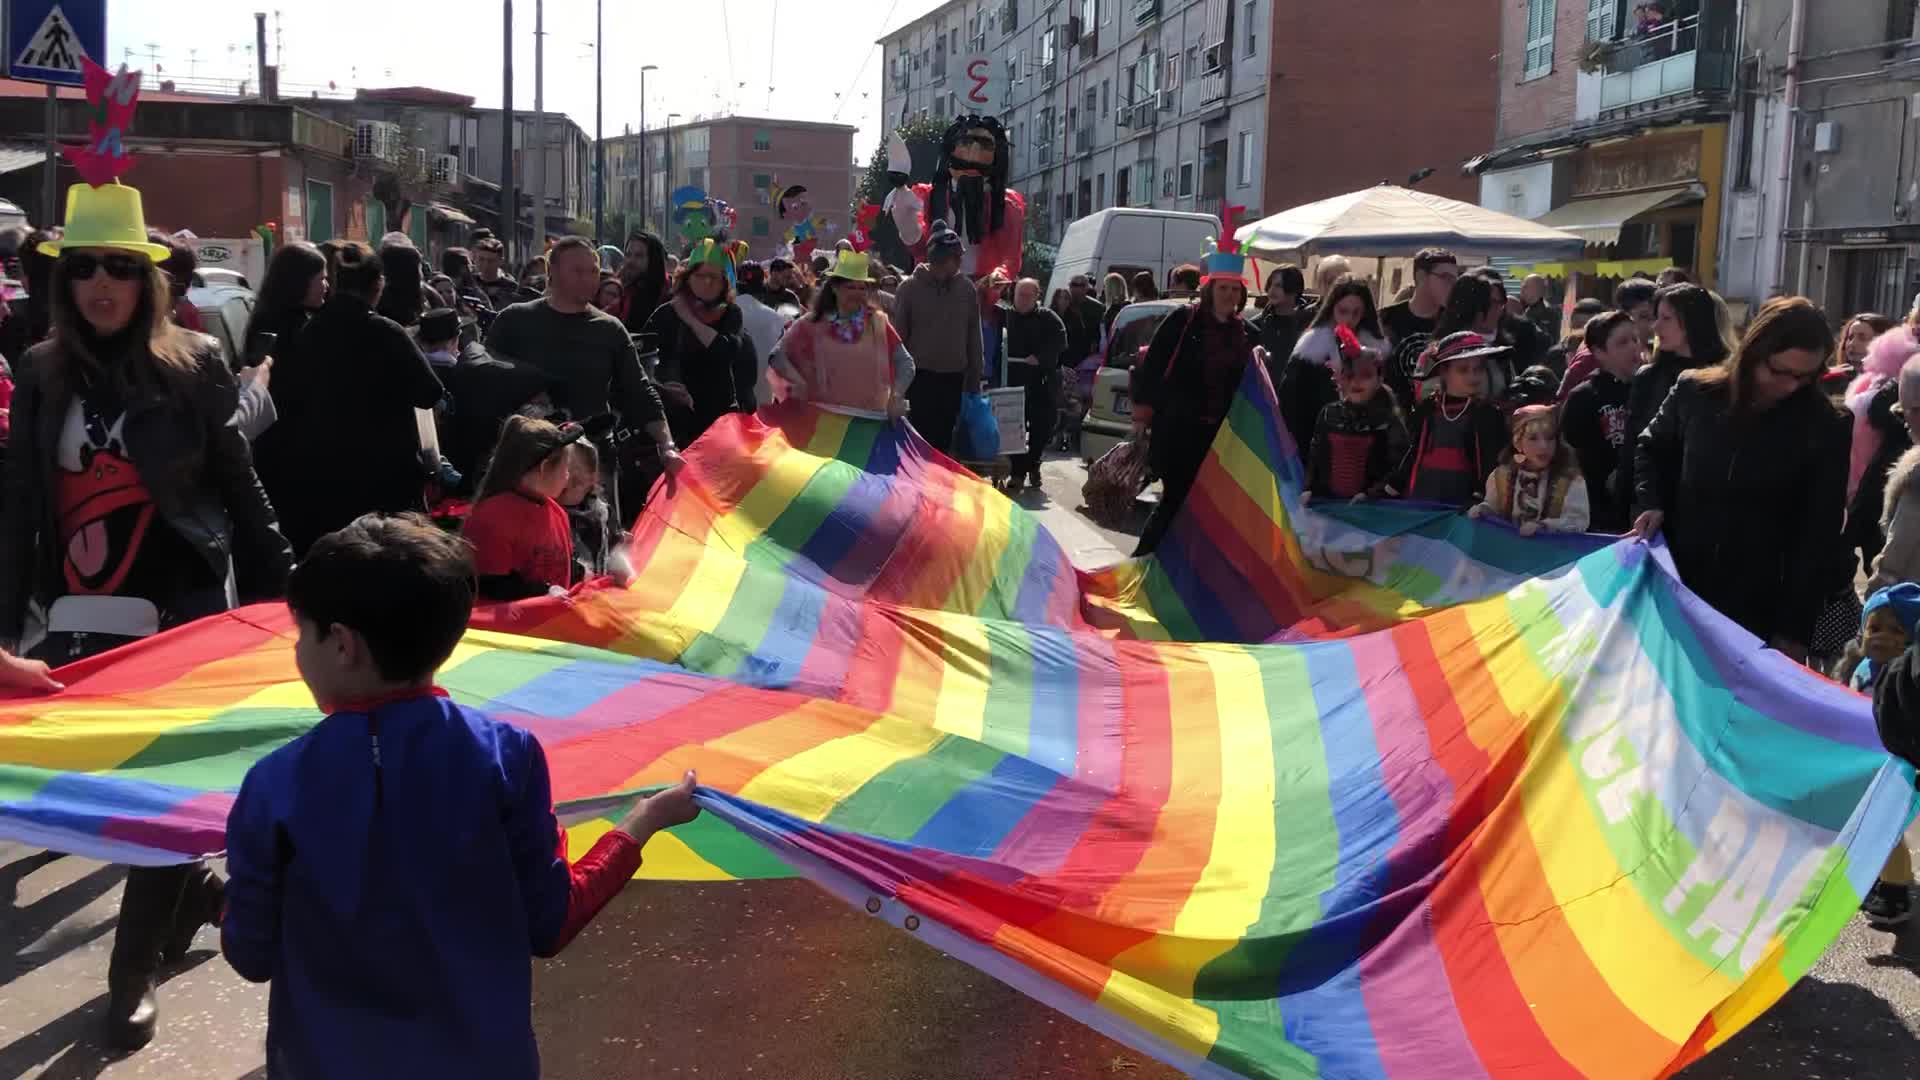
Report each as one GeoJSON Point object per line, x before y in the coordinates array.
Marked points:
{"type": "Point", "coordinates": [1109, 419]}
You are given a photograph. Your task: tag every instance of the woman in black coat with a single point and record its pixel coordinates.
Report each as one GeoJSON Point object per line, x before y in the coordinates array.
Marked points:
{"type": "Point", "coordinates": [295, 287]}
{"type": "Point", "coordinates": [1745, 469]}
{"type": "Point", "coordinates": [1687, 321]}
{"type": "Point", "coordinates": [1183, 389]}
{"type": "Point", "coordinates": [707, 366]}
{"type": "Point", "coordinates": [345, 388]}
{"type": "Point", "coordinates": [129, 484]}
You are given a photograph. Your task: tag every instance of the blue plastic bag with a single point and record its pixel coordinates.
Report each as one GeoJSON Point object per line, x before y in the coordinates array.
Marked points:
{"type": "Point", "coordinates": [977, 438]}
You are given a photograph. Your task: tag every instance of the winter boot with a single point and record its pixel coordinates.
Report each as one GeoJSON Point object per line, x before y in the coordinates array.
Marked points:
{"type": "Point", "coordinates": [200, 902]}
{"type": "Point", "coordinates": [147, 909]}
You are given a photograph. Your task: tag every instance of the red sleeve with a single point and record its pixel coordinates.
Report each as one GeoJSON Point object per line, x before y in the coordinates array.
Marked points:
{"type": "Point", "coordinates": [893, 338]}
{"type": "Point", "coordinates": [603, 871]}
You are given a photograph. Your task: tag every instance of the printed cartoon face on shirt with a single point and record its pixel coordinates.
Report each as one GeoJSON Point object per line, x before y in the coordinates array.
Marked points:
{"type": "Point", "coordinates": [104, 509]}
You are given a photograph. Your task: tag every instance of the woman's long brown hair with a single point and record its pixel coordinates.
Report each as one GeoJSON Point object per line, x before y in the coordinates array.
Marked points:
{"type": "Point", "coordinates": [1785, 322]}
{"type": "Point", "coordinates": [162, 361]}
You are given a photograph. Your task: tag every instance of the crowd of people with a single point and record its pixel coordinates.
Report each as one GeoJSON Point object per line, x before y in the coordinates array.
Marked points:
{"type": "Point", "coordinates": [150, 479]}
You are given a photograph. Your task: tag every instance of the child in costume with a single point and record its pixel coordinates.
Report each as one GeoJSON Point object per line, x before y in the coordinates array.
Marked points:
{"type": "Point", "coordinates": [1541, 487]}
{"type": "Point", "coordinates": [1889, 624]}
{"type": "Point", "coordinates": [1458, 436]}
{"type": "Point", "coordinates": [522, 539]}
{"type": "Point", "coordinates": [1360, 437]}
{"type": "Point", "coordinates": [597, 538]}
{"type": "Point", "coordinates": [395, 868]}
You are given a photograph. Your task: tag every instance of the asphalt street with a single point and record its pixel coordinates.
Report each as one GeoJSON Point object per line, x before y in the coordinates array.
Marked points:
{"type": "Point", "coordinates": [776, 979]}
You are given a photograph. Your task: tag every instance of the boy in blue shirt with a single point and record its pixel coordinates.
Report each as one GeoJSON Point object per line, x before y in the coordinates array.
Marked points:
{"type": "Point", "coordinates": [392, 869]}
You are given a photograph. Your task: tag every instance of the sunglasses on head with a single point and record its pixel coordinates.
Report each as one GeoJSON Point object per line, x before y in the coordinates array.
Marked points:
{"type": "Point", "coordinates": [82, 266]}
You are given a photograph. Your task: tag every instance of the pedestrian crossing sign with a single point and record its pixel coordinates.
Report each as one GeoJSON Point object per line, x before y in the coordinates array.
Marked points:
{"type": "Point", "coordinates": [48, 40]}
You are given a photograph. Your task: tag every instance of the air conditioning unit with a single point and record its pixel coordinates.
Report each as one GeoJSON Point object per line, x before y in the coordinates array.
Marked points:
{"type": "Point", "coordinates": [446, 169]}
{"type": "Point", "coordinates": [376, 139]}
{"type": "Point", "coordinates": [1167, 99]}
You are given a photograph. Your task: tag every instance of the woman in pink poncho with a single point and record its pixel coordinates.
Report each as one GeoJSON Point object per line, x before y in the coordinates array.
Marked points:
{"type": "Point", "coordinates": [845, 354]}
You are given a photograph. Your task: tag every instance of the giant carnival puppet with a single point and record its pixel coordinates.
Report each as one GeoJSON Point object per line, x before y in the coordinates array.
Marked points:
{"type": "Point", "coordinates": [969, 192]}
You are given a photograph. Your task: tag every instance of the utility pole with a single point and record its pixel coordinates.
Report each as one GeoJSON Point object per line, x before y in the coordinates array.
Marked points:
{"type": "Point", "coordinates": [509, 199]}
{"type": "Point", "coordinates": [646, 202]}
{"type": "Point", "coordinates": [538, 175]}
{"type": "Point", "coordinates": [599, 141]}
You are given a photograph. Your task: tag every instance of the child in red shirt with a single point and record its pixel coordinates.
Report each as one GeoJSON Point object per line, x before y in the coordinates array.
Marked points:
{"type": "Point", "coordinates": [522, 541]}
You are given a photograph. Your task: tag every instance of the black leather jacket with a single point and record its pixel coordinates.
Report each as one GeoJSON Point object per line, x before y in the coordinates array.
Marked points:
{"type": "Point", "coordinates": [193, 461]}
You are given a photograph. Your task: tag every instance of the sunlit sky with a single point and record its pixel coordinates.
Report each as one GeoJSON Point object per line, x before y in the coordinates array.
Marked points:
{"type": "Point", "coordinates": [793, 59]}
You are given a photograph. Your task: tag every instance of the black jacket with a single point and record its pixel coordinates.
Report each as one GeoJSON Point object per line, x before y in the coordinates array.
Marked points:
{"type": "Point", "coordinates": [1863, 533]}
{"type": "Point", "coordinates": [1171, 382]}
{"type": "Point", "coordinates": [1896, 707]}
{"type": "Point", "coordinates": [1649, 388]}
{"type": "Point", "coordinates": [1279, 332]}
{"type": "Point", "coordinates": [1753, 503]}
{"type": "Point", "coordinates": [1306, 388]}
{"type": "Point", "coordinates": [193, 462]}
{"type": "Point", "coordinates": [719, 375]}
{"type": "Point", "coordinates": [482, 390]}
{"type": "Point", "coordinates": [348, 441]}
{"type": "Point", "coordinates": [1039, 333]}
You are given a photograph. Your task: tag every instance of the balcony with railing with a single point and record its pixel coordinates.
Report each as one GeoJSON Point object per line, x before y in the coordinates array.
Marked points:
{"type": "Point", "coordinates": [1083, 140]}
{"type": "Point", "coordinates": [1043, 153]}
{"type": "Point", "coordinates": [1145, 10]}
{"type": "Point", "coordinates": [1689, 55]}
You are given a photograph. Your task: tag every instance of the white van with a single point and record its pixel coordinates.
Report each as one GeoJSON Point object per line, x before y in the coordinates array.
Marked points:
{"type": "Point", "coordinates": [1126, 241]}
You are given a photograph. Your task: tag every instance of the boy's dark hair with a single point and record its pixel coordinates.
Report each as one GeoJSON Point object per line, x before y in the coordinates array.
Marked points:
{"type": "Point", "coordinates": [397, 581]}
{"type": "Point", "coordinates": [490, 244]}
{"type": "Point", "coordinates": [358, 272]}
{"type": "Point", "coordinates": [1428, 258]}
{"type": "Point", "coordinates": [1633, 292]}
{"type": "Point", "coordinates": [1144, 287]}
{"type": "Point", "coordinates": [1186, 276]}
{"type": "Point", "coordinates": [1600, 328]}
{"type": "Point", "coordinates": [456, 262]}
{"type": "Point", "coordinates": [1290, 278]}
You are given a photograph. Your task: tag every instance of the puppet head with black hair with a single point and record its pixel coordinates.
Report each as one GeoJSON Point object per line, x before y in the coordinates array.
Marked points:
{"type": "Point", "coordinates": [973, 173]}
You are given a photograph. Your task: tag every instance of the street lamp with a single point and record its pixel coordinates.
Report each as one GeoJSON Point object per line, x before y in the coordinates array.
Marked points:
{"type": "Point", "coordinates": [667, 167]}
{"type": "Point", "coordinates": [646, 205]}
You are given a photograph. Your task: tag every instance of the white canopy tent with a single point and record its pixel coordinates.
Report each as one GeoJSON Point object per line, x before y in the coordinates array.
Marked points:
{"type": "Point", "coordinates": [1388, 221]}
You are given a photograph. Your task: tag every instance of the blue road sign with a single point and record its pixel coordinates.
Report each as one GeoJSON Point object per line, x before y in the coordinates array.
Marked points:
{"type": "Point", "coordinates": [46, 39]}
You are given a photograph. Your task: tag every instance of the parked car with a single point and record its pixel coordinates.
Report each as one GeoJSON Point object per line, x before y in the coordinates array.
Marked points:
{"type": "Point", "coordinates": [1109, 418]}
{"type": "Point", "coordinates": [225, 308]}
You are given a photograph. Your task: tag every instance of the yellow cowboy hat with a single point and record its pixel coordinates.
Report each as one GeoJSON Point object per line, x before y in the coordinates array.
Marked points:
{"type": "Point", "coordinates": [108, 216]}
{"type": "Point", "coordinates": [852, 266]}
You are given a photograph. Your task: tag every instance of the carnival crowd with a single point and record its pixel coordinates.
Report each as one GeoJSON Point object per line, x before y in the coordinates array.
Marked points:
{"type": "Point", "coordinates": [151, 479]}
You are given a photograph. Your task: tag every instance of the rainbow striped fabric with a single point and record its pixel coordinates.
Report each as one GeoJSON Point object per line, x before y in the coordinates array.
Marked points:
{"type": "Point", "coordinates": [1374, 792]}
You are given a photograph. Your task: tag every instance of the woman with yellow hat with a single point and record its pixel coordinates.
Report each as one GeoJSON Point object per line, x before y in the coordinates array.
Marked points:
{"type": "Point", "coordinates": [131, 507]}
{"type": "Point", "coordinates": [845, 353]}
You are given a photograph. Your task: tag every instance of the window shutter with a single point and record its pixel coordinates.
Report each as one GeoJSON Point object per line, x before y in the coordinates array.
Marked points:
{"type": "Point", "coordinates": [1539, 37]}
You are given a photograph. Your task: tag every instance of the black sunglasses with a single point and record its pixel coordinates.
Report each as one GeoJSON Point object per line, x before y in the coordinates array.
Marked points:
{"type": "Point", "coordinates": [81, 266]}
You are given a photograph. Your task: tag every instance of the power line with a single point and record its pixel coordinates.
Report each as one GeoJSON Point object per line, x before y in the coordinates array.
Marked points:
{"type": "Point", "coordinates": [773, 36]}
{"type": "Point", "coordinates": [886, 20]}
{"type": "Point", "coordinates": [726, 27]}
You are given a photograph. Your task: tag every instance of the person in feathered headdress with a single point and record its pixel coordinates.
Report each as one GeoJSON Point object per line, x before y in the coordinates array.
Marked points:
{"type": "Point", "coordinates": [969, 193]}
{"type": "Point", "coordinates": [1183, 388]}
{"type": "Point", "coordinates": [707, 367]}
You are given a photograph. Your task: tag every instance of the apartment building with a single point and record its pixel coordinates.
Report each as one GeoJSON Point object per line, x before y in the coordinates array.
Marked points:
{"type": "Point", "coordinates": [1145, 103]}
{"type": "Point", "coordinates": [735, 158]}
{"type": "Point", "coordinates": [1616, 129]}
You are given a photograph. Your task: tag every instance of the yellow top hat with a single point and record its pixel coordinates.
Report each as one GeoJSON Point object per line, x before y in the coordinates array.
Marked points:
{"type": "Point", "coordinates": [852, 266]}
{"type": "Point", "coordinates": [107, 216]}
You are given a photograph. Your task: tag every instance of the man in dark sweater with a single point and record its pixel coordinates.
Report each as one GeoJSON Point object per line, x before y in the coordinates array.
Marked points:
{"type": "Point", "coordinates": [591, 357]}
{"type": "Point", "coordinates": [1088, 323]}
{"type": "Point", "coordinates": [1285, 317]}
{"type": "Point", "coordinates": [1036, 338]}
{"type": "Point", "coordinates": [1594, 419]}
{"type": "Point", "coordinates": [394, 868]}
